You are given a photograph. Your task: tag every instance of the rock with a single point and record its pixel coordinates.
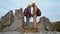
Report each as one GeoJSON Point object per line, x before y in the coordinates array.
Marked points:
{"type": "Point", "coordinates": [41, 25]}
{"type": "Point", "coordinates": [18, 20]}
{"type": "Point", "coordinates": [44, 23]}
{"type": "Point", "coordinates": [7, 19]}
{"type": "Point", "coordinates": [1, 28]}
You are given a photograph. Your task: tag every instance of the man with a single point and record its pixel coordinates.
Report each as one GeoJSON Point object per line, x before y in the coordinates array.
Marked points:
{"type": "Point", "coordinates": [27, 13]}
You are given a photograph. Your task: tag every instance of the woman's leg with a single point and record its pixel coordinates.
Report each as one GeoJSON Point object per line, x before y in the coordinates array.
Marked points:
{"type": "Point", "coordinates": [35, 24]}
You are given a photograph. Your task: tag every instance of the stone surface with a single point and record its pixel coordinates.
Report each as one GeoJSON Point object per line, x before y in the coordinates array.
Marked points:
{"type": "Point", "coordinates": [14, 32]}
{"type": "Point", "coordinates": [44, 23]}
{"type": "Point", "coordinates": [41, 25]}
{"type": "Point", "coordinates": [18, 20]}
{"type": "Point", "coordinates": [1, 28]}
{"type": "Point", "coordinates": [6, 20]}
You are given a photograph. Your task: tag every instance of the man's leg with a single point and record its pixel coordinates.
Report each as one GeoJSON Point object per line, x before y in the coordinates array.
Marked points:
{"type": "Point", "coordinates": [27, 22]}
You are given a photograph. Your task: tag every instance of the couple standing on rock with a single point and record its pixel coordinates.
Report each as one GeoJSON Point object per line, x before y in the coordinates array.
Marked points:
{"type": "Point", "coordinates": [28, 14]}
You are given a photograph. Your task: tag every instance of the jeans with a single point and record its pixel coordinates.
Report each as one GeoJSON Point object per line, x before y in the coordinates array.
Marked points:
{"type": "Point", "coordinates": [27, 22]}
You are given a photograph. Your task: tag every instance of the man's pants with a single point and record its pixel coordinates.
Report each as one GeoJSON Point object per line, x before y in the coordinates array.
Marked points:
{"type": "Point", "coordinates": [27, 23]}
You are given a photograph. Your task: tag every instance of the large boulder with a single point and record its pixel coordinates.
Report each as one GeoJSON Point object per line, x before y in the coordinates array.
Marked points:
{"type": "Point", "coordinates": [18, 21]}
{"type": "Point", "coordinates": [44, 23]}
{"type": "Point", "coordinates": [7, 19]}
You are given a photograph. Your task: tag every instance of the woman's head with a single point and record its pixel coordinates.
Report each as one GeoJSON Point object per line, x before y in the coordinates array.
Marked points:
{"type": "Point", "coordinates": [29, 5]}
{"type": "Point", "coordinates": [33, 4]}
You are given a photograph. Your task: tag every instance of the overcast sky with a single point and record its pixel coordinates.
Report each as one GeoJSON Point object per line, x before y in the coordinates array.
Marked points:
{"type": "Point", "coordinates": [49, 8]}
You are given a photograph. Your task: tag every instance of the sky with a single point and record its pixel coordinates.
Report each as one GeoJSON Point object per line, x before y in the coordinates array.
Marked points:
{"type": "Point", "coordinates": [49, 8]}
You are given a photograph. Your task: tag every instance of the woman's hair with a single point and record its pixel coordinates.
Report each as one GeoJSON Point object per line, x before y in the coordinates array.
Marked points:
{"type": "Point", "coordinates": [33, 4]}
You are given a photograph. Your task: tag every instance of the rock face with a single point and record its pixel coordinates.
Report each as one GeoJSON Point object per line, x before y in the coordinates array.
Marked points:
{"type": "Point", "coordinates": [44, 23]}
{"type": "Point", "coordinates": [41, 25]}
{"type": "Point", "coordinates": [18, 20]}
{"type": "Point", "coordinates": [7, 19]}
{"type": "Point", "coordinates": [1, 28]}
{"type": "Point", "coordinates": [30, 25]}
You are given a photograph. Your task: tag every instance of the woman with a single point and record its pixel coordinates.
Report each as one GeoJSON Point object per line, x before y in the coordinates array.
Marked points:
{"type": "Point", "coordinates": [34, 16]}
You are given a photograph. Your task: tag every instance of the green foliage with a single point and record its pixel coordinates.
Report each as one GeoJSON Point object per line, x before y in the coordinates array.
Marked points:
{"type": "Point", "coordinates": [56, 26]}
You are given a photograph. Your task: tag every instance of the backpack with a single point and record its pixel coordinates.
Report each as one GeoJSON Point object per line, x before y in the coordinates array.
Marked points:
{"type": "Point", "coordinates": [38, 12]}
{"type": "Point", "coordinates": [25, 12]}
